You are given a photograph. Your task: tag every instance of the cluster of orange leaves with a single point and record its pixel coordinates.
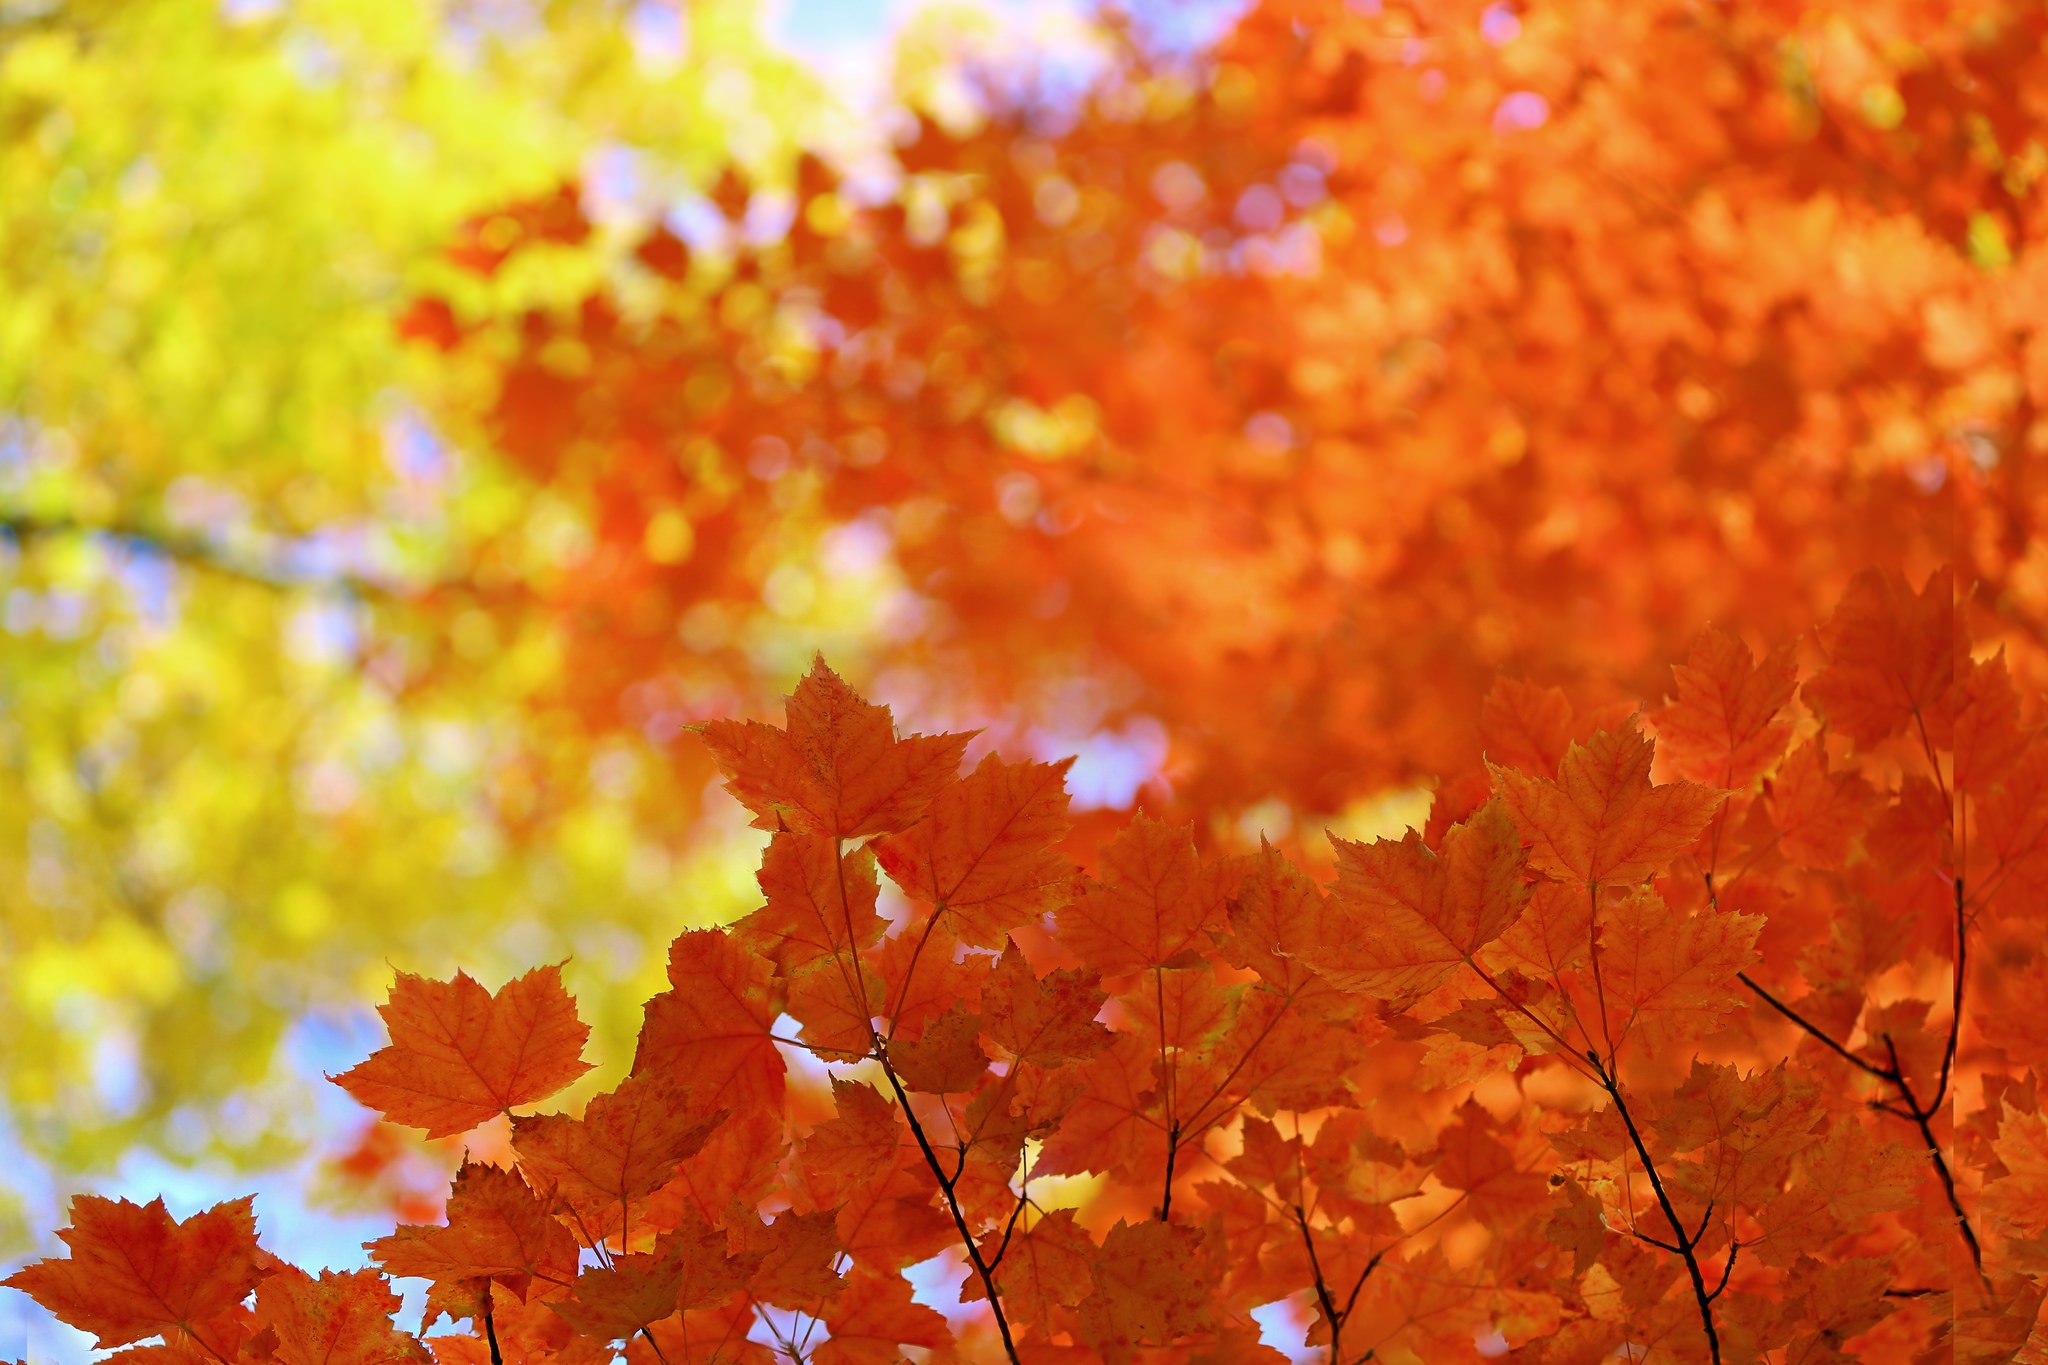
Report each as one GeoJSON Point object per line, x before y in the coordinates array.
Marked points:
{"type": "Point", "coordinates": [1402, 343]}
{"type": "Point", "coordinates": [1718, 1046]}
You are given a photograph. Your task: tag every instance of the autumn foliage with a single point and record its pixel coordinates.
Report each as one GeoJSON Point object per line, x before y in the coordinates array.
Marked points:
{"type": "Point", "coordinates": [1295, 395]}
{"type": "Point", "coordinates": [1701, 1034]}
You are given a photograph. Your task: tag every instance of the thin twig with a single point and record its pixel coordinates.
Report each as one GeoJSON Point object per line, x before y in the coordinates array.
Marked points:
{"type": "Point", "coordinates": [1687, 1247]}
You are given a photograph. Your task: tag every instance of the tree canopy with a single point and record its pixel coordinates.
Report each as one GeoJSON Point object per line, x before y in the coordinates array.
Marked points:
{"type": "Point", "coordinates": [415, 419]}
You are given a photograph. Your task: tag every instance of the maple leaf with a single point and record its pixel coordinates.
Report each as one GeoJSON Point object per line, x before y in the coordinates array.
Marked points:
{"type": "Point", "coordinates": [1819, 815]}
{"type": "Point", "coordinates": [714, 1336]}
{"type": "Point", "coordinates": [715, 1024]}
{"type": "Point", "coordinates": [497, 1229]}
{"type": "Point", "coordinates": [1601, 820]}
{"type": "Point", "coordinates": [1276, 914]}
{"type": "Point", "coordinates": [1892, 656]}
{"type": "Point", "coordinates": [1148, 905]}
{"type": "Point", "coordinates": [1724, 727]}
{"type": "Point", "coordinates": [341, 1318]}
{"type": "Point", "coordinates": [1049, 1264]}
{"type": "Point", "coordinates": [820, 904]}
{"type": "Point", "coordinates": [626, 1146]}
{"type": "Point", "coordinates": [873, 1318]}
{"type": "Point", "coordinates": [611, 1303]}
{"type": "Point", "coordinates": [983, 854]}
{"type": "Point", "coordinates": [1043, 1020]}
{"type": "Point", "coordinates": [1499, 1185]}
{"type": "Point", "coordinates": [1675, 971]}
{"type": "Point", "coordinates": [924, 972]}
{"type": "Point", "coordinates": [1525, 726]}
{"type": "Point", "coordinates": [835, 1000]}
{"type": "Point", "coordinates": [860, 1144]}
{"type": "Point", "coordinates": [1579, 1226]}
{"type": "Point", "coordinates": [459, 1054]}
{"type": "Point", "coordinates": [1987, 735]}
{"type": "Point", "coordinates": [946, 1057]}
{"type": "Point", "coordinates": [1147, 1291]}
{"type": "Point", "coordinates": [1403, 917]}
{"type": "Point", "coordinates": [134, 1271]}
{"type": "Point", "coordinates": [837, 770]}
{"type": "Point", "coordinates": [798, 1252]}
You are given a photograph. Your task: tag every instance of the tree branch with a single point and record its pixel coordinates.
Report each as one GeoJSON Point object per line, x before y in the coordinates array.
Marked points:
{"type": "Point", "coordinates": [1687, 1247]}
{"type": "Point", "coordinates": [192, 551]}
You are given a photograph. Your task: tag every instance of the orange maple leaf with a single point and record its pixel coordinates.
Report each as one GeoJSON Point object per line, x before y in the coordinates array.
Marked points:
{"type": "Point", "coordinates": [1600, 820]}
{"type": "Point", "coordinates": [611, 1303]}
{"type": "Point", "coordinates": [134, 1271]}
{"type": "Point", "coordinates": [341, 1318]}
{"type": "Point", "coordinates": [1725, 728]}
{"type": "Point", "coordinates": [1146, 1290]}
{"type": "Point", "coordinates": [1148, 905]}
{"type": "Point", "coordinates": [1525, 726]}
{"type": "Point", "coordinates": [1892, 656]}
{"type": "Point", "coordinates": [819, 903]}
{"type": "Point", "coordinates": [873, 1318]}
{"type": "Point", "coordinates": [1043, 1020]}
{"type": "Point", "coordinates": [626, 1146]}
{"type": "Point", "coordinates": [715, 1024]}
{"type": "Point", "coordinates": [497, 1229]}
{"type": "Point", "coordinates": [459, 1055]}
{"type": "Point", "coordinates": [837, 769]}
{"type": "Point", "coordinates": [1402, 917]}
{"type": "Point", "coordinates": [983, 855]}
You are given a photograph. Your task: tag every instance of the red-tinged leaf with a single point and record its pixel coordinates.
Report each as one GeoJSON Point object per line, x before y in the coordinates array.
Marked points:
{"type": "Point", "coordinates": [626, 1146]}
{"type": "Point", "coordinates": [1043, 1021]}
{"type": "Point", "coordinates": [1601, 820]}
{"type": "Point", "coordinates": [1819, 815]}
{"type": "Point", "coordinates": [1988, 739]}
{"type": "Point", "coordinates": [341, 1318]}
{"type": "Point", "coordinates": [526, 1332]}
{"type": "Point", "coordinates": [924, 974]}
{"type": "Point", "coordinates": [1525, 726]}
{"type": "Point", "coordinates": [702, 1336]}
{"type": "Point", "coordinates": [798, 1253]}
{"type": "Point", "coordinates": [834, 998]}
{"type": "Point", "coordinates": [1147, 1289]}
{"type": "Point", "coordinates": [1580, 1226]}
{"type": "Point", "coordinates": [1724, 728]}
{"type": "Point", "coordinates": [1048, 1265]}
{"type": "Point", "coordinates": [1663, 969]}
{"type": "Point", "coordinates": [861, 1144]}
{"type": "Point", "coordinates": [459, 1055]}
{"type": "Point", "coordinates": [739, 1164]}
{"type": "Point", "coordinates": [1275, 916]}
{"type": "Point", "coordinates": [1403, 917]}
{"type": "Point", "coordinates": [1110, 1127]}
{"type": "Point", "coordinates": [837, 770]}
{"type": "Point", "coordinates": [819, 904]}
{"type": "Point", "coordinates": [1500, 1185]}
{"type": "Point", "coordinates": [894, 1221]}
{"type": "Point", "coordinates": [946, 1059]}
{"type": "Point", "coordinates": [1148, 905]}
{"type": "Point", "coordinates": [984, 853]}
{"type": "Point", "coordinates": [497, 1229]}
{"type": "Point", "coordinates": [1551, 937]}
{"type": "Point", "coordinates": [2012, 835]}
{"type": "Point", "coordinates": [134, 1271]}
{"type": "Point", "coordinates": [715, 1027]}
{"type": "Point", "coordinates": [611, 1304]}
{"type": "Point", "coordinates": [1892, 656]}
{"type": "Point", "coordinates": [2019, 1198]}
{"type": "Point", "coordinates": [874, 1318]}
